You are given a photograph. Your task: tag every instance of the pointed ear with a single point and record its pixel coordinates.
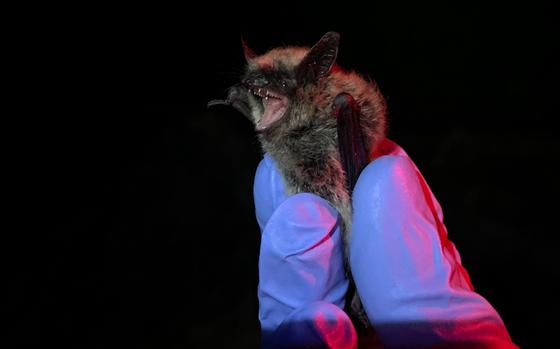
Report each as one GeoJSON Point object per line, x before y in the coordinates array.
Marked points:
{"type": "Point", "coordinates": [249, 54]}
{"type": "Point", "coordinates": [319, 60]}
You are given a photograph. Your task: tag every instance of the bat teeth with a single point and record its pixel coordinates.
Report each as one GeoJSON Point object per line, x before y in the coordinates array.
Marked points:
{"type": "Point", "coordinates": [263, 93]}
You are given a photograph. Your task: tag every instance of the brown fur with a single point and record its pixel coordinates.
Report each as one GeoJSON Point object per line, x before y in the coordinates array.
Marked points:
{"type": "Point", "coordinates": [304, 143]}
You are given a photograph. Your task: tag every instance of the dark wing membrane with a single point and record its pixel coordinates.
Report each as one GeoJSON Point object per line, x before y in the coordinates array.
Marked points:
{"type": "Point", "coordinates": [351, 144]}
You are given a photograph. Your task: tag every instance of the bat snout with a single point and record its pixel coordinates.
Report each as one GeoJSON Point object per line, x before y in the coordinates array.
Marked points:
{"type": "Point", "coordinates": [257, 82]}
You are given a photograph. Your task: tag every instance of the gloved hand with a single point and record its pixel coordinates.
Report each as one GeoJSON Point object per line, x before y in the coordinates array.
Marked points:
{"type": "Point", "coordinates": [302, 282]}
{"type": "Point", "coordinates": [408, 274]}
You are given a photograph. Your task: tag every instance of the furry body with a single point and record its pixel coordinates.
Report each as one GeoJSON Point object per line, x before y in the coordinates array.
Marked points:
{"type": "Point", "coordinates": [304, 143]}
{"type": "Point", "coordinates": [289, 93]}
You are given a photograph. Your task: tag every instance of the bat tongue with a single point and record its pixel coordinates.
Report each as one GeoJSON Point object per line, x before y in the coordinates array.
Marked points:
{"type": "Point", "coordinates": [274, 109]}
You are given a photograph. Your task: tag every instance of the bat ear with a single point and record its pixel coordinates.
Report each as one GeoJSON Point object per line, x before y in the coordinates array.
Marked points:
{"type": "Point", "coordinates": [249, 54]}
{"type": "Point", "coordinates": [319, 60]}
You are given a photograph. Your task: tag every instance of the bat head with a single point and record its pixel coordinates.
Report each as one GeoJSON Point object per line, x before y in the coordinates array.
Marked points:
{"type": "Point", "coordinates": [279, 78]}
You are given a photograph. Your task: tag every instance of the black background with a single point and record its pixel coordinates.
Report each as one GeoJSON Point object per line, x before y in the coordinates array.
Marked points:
{"type": "Point", "coordinates": [150, 239]}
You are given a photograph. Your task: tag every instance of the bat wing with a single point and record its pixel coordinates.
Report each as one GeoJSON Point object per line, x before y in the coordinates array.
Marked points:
{"type": "Point", "coordinates": [351, 142]}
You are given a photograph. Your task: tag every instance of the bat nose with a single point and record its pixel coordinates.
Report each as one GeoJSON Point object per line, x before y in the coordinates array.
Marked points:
{"type": "Point", "coordinates": [257, 82]}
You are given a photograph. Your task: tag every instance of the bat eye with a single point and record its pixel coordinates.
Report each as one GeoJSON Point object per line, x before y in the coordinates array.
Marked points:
{"type": "Point", "coordinates": [284, 84]}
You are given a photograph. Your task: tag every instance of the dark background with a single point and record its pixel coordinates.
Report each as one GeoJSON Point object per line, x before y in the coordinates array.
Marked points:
{"type": "Point", "coordinates": [149, 238]}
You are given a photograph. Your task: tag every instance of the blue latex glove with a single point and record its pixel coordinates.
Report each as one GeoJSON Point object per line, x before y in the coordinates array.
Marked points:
{"type": "Point", "coordinates": [408, 274]}
{"type": "Point", "coordinates": [302, 282]}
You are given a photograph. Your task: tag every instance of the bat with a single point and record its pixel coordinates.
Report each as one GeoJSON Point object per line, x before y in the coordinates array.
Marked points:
{"type": "Point", "coordinates": [320, 123]}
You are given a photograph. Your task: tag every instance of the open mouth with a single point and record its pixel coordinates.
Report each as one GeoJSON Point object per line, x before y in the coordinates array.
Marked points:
{"type": "Point", "coordinates": [274, 104]}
